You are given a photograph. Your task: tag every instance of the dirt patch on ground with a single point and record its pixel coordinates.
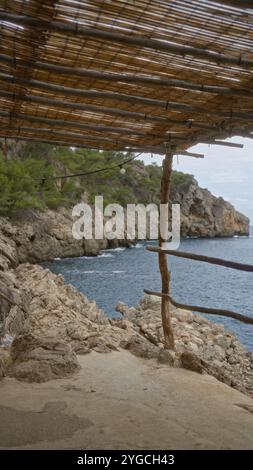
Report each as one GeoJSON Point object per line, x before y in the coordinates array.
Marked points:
{"type": "Point", "coordinates": [119, 401]}
{"type": "Point", "coordinates": [19, 427]}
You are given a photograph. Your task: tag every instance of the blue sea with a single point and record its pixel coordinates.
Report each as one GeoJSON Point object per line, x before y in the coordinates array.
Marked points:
{"type": "Point", "coordinates": [122, 274]}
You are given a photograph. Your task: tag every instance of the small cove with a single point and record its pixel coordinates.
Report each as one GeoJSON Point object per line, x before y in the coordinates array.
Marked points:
{"type": "Point", "coordinates": [122, 274]}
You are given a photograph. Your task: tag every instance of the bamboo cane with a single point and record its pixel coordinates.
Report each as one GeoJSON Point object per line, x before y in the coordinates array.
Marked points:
{"type": "Point", "coordinates": [126, 77]}
{"type": "Point", "coordinates": [235, 3]}
{"type": "Point", "coordinates": [165, 104]}
{"type": "Point", "coordinates": [105, 109]}
{"type": "Point", "coordinates": [130, 40]}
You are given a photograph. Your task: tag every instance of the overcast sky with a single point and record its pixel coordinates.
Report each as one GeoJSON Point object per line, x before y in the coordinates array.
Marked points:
{"type": "Point", "coordinates": [225, 171]}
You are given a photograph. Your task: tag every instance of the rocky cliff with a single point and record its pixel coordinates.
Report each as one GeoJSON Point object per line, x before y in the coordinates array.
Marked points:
{"type": "Point", "coordinates": [204, 215]}
{"type": "Point", "coordinates": [40, 236]}
{"type": "Point", "coordinates": [48, 323]}
{"type": "Point", "coordinates": [44, 323]}
{"type": "Point", "coordinates": [35, 236]}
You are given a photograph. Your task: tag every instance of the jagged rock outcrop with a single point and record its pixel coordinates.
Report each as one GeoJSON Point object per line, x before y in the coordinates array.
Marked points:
{"type": "Point", "coordinates": [201, 345]}
{"type": "Point", "coordinates": [40, 236]}
{"type": "Point", "coordinates": [205, 215]}
{"type": "Point", "coordinates": [60, 310]}
{"type": "Point", "coordinates": [53, 322]}
{"type": "Point", "coordinates": [50, 323]}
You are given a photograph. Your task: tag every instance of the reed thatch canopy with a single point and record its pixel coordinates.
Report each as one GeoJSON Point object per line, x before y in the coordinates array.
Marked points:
{"type": "Point", "coordinates": [126, 74]}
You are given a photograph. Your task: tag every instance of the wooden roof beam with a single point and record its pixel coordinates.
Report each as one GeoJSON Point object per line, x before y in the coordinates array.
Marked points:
{"type": "Point", "coordinates": [104, 109]}
{"type": "Point", "coordinates": [81, 125]}
{"type": "Point", "coordinates": [160, 150]}
{"type": "Point", "coordinates": [58, 134]}
{"type": "Point", "coordinates": [127, 78]}
{"type": "Point", "coordinates": [235, 3]}
{"type": "Point", "coordinates": [16, 133]}
{"type": "Point", "coordinates": [58, 142]}
{"type": "Point", "coordinates": [223, 143]}
{"type": "Point", "coordinates": [191, 154]}
{"type": "Point", "coordinates": [130, 40]}
{"type": "Point", "coordinates": [164, 104]}
{"type": "Point", "coordinates": [12, 135]}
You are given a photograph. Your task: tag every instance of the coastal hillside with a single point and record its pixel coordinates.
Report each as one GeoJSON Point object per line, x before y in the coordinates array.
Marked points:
{"type": "Point", "coordinates": [49, 330]}
{"type": "Point", "coordinates": [30, 178]}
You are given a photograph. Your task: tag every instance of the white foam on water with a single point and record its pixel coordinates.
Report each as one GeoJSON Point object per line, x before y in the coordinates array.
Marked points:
{"type": "Point", "coordinates": [138, 245]}
{"type": "Point", "coordinates": [105, 255]}
{"type": "Point", "coordinates": [114, 249]}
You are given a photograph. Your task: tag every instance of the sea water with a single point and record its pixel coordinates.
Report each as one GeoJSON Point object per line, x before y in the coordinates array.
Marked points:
{"type": "Point", "coordinates": [122, 274]}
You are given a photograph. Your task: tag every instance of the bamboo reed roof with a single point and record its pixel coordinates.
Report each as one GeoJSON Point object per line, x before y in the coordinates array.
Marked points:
{"type": "Point", "coordinates": [134, 74]}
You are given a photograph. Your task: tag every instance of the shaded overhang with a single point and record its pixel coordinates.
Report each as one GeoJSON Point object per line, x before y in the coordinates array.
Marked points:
{"type": "Point", "coordinates": [136, 75]}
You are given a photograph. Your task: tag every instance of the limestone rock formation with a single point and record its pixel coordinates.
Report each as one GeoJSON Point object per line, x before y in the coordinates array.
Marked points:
{"type": "Point", "coordinates": [61, 310]}
{"type": "Point", "coordinates": [52, 322]}
{"type": "Point", "coordinates": [34, 301]}
{"type": "Point", "coordinates": [41, 236]}
{"type": "Point", "coordinates": [201, 345]}
{"type": "Point", "coordinates": [38, 359]}
{"type": "Point", "coordinates": [204, 215]}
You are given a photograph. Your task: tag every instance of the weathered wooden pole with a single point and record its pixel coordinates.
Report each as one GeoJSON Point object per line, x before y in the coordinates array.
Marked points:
{"type": "Point", "coordinates": [163, 266]}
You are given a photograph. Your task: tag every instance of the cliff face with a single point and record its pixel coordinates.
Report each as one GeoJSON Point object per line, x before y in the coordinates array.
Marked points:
{"type": "Point", "coordinates": [51, 322]}
{"type": "Point", "coordinates": [40, 236]}
{"type": "Point", "coordinates": [204, 215]}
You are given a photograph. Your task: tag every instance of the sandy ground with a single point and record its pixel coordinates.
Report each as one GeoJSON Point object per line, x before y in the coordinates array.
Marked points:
{"type": "Point", "coordinates": [118, 401]}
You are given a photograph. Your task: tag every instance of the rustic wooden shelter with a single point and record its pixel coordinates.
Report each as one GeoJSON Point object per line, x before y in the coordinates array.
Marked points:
{"type": "Point", "coordinates": [142, 75]}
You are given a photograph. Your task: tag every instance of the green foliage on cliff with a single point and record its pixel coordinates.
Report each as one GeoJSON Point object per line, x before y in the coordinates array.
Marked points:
{"type": "Point", "coordinates": [28, 170]}
{"type": "Point", "coordinates": [28, 183]}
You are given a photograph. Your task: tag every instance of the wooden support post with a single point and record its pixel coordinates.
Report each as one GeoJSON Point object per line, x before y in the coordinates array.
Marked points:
{"type": "Point", "coordinates": [163, 266]}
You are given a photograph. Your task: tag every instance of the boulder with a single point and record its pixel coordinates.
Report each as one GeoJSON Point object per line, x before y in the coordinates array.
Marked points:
{"type": "Point", "coordinates": [140, 347]}
{"type": "Point", "coordinates": [38, 359]}
{"type": "Point", "coordinates": [167, 357]}
{"type": "Point", "coordinates": [191, 361]}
